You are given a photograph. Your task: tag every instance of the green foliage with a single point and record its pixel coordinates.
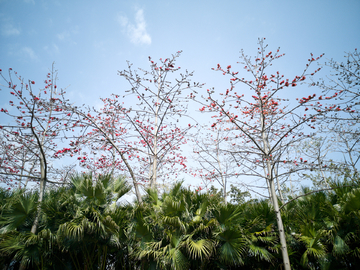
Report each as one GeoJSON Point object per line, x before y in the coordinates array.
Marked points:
{"type": "Point", "coordinates": [79, 225]}
{"type": "Point", "coordinates": [237, 196]}
{"type": "Point", "coordinates": [82, 227]}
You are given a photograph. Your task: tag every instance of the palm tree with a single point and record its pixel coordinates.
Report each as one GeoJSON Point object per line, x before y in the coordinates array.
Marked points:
{"type": "Point", "coordinates": [95, 225]}
{"type": "Point", "coordinates": [174, 231]}
{"type": "Point", "coordinates": [343, 227]}
{"type": "Point", "coordinates": [324, 228]}
{"type": "Point", "coordinates": [231, 242]}
{"type": "Point", "coordinates": [258, 225]}
{"type": "Point", "coordinates": [189, 230]}
{"type": "Point", "coordinates": [16, 241]}
{"type": "Point", "coordinates": [79, 226]}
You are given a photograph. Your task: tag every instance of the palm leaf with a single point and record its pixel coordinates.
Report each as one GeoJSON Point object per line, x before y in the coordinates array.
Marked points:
{"type": "Point", "coordinates": [199, 249]}
{"type": "Point", "coordinates": [340, 247]}
{"type": "Point", "coordinates": [232, 247]}
{"type": "Point", "coordinates": [18, 212]}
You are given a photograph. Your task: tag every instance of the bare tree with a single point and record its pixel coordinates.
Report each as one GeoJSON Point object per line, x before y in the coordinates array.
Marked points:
{"type": "Point", "coordinates": [266, 126]}
{"type": "Point", "coordinates": [214, 162]}
{"type": "Point", "coordinates": [336, 148]}
{"type": "Point", "coordinates": [344, 83]}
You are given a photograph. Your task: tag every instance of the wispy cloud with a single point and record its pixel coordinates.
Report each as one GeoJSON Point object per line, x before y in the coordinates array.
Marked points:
{"type": "Point", "coordinates": [63, 35]}
{"type": "Point", "coordinates": [68, 34]}
{"type": "Point", "coordinates": [8, 29]}
{"type": "Point", "coordinates": [136, 32]}
{"type": "Point", "coordinates": [27, 51]}
{"type": "Point", "coordinates": [52, 49]}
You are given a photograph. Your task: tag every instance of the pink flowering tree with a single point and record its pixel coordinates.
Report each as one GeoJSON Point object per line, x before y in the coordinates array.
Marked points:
{"type": "Point", "coordinates": [143, 140]}
{"type": "Point", "coordinates": [35, 122]}
{"type": "Point", "coordinates": [267, 117]}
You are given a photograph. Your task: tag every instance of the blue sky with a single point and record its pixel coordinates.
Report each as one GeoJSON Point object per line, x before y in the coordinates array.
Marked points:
{"type": "Point", "coordinates": [91, 40]}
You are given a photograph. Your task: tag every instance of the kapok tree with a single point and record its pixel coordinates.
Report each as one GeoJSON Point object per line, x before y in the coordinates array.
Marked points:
{"type": "Point", "coordinates": [342, 124]}
{"type": "Point", "coordinates": [16, 160]}
{"type": "Point", "coordinates": [337, 152]}
{"type": "Point", "coordinates": [35, 121]}
{"type": "Point", "coordinates": [213, 164]}
{"type": "Point", "coordinates": [344, 83]}
{"type": "Point", "coordinates": [267, 118]}
{"type": "Point", "coordinates": [143, 140]}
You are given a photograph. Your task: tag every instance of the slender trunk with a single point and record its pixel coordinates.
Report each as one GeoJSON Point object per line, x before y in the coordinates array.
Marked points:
{"type": "Point", "coordinates": [267, 183]}
{"type": "Point", "coordinates": [136, 186]}
{"type": "Point", "coordinates": [43, 171]}
{"type": "Point", "coordinates": [278, 185]}
{"type": "Point", "coordinates": [291, 186]}
{"type": "Point", "coordinates": [270, 180]}
{"type": "Point", "coordinates": [281, 230]}
{"type": "Point", "coordinates": [275, 203]}
{"type": "Point", "coordinates": [41, 195]}
{"type": "Point", "coordinates": [223, 181]}
{"type": "Point", "coordinates": [113, 163]}
{"type": "Point", "coordinates": [137, 191]}
{"type": "Point", "coordinates": [322, 173]}
{"type": "Point", "coordinates": [352, 163]}
{"type": "Point", "coordinates": [155, 153]}
{"type": "Point", "coordinates": [22, 171]}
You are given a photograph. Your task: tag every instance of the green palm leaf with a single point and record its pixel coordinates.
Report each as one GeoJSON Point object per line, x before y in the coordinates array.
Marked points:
{"type": "Point", "coordinates": [19, 212]}
{"type": "Point", "coordinates": [199, 249]}
{"type": "Point", "coordinates": [232, 247]}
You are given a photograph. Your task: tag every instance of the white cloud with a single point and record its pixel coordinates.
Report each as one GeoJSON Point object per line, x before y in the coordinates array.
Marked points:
{"type": "Point", "coordinates": [29, 53]}
{"type": "Point", "coordinates": [52, 49]}
{"type": "Point", "coordinates": [9, 30]}
{"type": "Point", "coordinates": [136, 32]}
{"type": "Point", "coordinates": [63, 35]}
{"type": "Point", "coordinates": [67, 35]}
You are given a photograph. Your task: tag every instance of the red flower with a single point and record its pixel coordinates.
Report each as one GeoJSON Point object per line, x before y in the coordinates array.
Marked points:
{"type": "Point", "coordinates": [32, 82]}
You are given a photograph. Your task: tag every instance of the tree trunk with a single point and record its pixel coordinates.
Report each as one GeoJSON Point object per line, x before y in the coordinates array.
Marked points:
{"type": "Point", "coordinates": [41, 196]}
{"type": "Point", "coordinates": [282, 236]}
{"type": "Point", "coordinates": [43, 171]}
{"type": "Point", "coordinates": [137, 191]}
{"type": "Point", "coordinates": [223, 180]}
{"type": "Point", "coordinates": [271, 185]}
{"type": "Point", "coordinates": [155, 151]}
